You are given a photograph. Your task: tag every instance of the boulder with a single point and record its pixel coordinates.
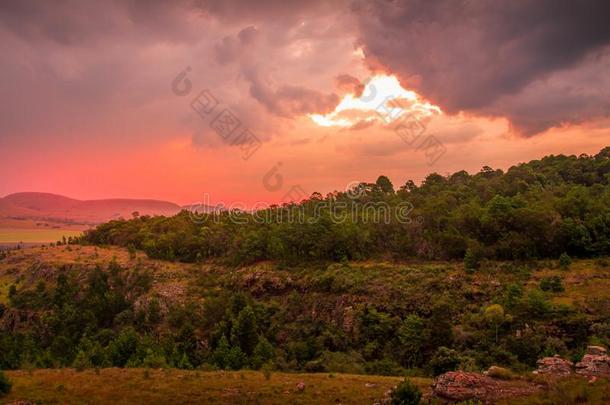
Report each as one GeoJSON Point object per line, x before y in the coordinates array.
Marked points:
{"type": "Point", "coordinates": [301, 386]}
{"type": "Point", "coordinates": [463, 386]}
{"type": "Point", "coordinates": [554, 366]}
{"type": "Point", "coordinates": [596, 350]}
{"type": "Point", "coordinates": [595, 363]}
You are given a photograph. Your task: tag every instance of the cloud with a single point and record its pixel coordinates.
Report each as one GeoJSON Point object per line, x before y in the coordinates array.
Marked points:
{"type": "Point", "coordinates": [289, 100]}
{"type": "Point", "coordinates": [485, 57]}
{"type": "Point", "coordinates": [348, 84]}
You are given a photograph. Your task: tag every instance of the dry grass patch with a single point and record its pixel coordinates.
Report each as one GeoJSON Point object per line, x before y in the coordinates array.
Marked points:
{"type": "Point", "coordinates": [131, 386]}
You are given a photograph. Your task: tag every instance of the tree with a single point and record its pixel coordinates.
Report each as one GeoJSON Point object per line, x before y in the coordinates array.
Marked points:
{"type": "Point", "coordinates": [445, 359]}
{"type": "Point", "coordinates": [244, 333]}
{"type": "Point", "coordinates": [220, 356]}
{"type": "Point", "coordinates": [494, 315]}
{"type": "Point", "coordinates": [263, 352]}
{"type": "Point", "coordinates": [411, 336]}
{"type": "Point", "coordinates": [385, 184]}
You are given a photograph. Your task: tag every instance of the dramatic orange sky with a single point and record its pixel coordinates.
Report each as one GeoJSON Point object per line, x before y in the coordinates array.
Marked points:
{"type": "Point", "coordinates": [95, 106]}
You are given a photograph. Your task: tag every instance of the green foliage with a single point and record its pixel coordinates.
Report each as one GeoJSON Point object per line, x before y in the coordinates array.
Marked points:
{"type": "Point", "coordinates": [471, 261]}
{"type": "Point", "coordinates": [385, 184]}
{"type": "Point", "coordinates": [5, 384]}
{"type": "Point", "coordinates": [559, 205]}
{"type": "Point", "coordinates": [244, 334]}
{"type": "Point", "coordinates": [406, 393]}
{"type": "Point", "coordinates": [494, 314]}
{"type": "Point", "coordinates": [564, 261]}
{"type": "Point", "coordinates": [263, 353]}
{"type": "Point", "coordinates": [444, 360]}
{"type": "Point", "coordinates": [552, 284]}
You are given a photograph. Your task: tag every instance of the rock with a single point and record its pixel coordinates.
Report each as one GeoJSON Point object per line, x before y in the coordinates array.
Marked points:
{"type": "Point", "coordinates": [593, 365]}
{"type": "Point", "coordinates": [554, 366]}
{"type": "Point", "coordinates": [301, 386]}
{"type": "Point", "coordinates": [463, 386]}
{"type": "Point", "coordinates": [596, 350]}
{"type": "Point", "coordinates": [370, 385]}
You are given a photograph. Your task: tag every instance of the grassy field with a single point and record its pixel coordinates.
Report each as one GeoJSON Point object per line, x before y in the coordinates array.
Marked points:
{"type": "Point", "coordinates": [165, 386]}
{"type": "Point", "coordinates": [137, 386]}
{"type": "Point", "coordinates": [16, 235]}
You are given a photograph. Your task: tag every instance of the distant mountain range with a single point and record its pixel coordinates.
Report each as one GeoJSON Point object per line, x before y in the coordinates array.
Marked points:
{"type": "Point", "coordinates": [53, 207]}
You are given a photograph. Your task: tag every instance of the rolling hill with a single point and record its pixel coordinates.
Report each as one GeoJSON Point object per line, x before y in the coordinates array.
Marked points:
{"type": "Point", "coordinates": [53, 207]}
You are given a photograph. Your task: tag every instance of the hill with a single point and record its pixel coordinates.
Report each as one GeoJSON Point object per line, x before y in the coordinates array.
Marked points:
{"type": "Point", "coordinates": [46, 206]}
{"type": "Point", "coordinates": [539, 209]}
{"type": "Point", "coordinates": [371, 316]}
{"type": "Point", "coordinates": [367, 317]}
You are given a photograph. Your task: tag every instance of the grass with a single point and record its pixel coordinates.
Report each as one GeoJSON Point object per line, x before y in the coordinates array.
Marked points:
{"type": "Point", "coordinates": [16, 235]}
{"type": "Point", "coordinates": [135, 386]}
{"type": "Point", "coordinates": [568, 392]}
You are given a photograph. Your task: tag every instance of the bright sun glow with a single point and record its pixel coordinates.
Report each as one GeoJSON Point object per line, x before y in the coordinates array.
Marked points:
{"type": "Point", "coordinates": [383, 99]}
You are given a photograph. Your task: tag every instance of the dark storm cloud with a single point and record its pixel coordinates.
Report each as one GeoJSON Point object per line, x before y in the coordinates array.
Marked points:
{"type": "Point", "coordinates": [480, 55]}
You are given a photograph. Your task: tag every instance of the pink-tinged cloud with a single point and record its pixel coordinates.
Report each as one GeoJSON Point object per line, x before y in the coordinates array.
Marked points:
{"type": "Point", "coordinates": [88, 108]}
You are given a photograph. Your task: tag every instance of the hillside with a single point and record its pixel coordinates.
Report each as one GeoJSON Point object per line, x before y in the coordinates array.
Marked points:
{"type": "Point", "coordinates": [46, 206]}
{"type": "Point", "coordinates": [350, 317]}
{"type": "Point", "coordinates": [539, 209]}
{"type": "Point", "coordinates": [355, 317]}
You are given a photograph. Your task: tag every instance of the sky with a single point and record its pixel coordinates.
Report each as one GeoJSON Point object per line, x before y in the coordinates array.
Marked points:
{"type": "Point", "coordinates": [269, 101]}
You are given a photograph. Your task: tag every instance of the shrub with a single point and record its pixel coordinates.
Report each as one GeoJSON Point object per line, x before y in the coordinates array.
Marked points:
{"type": "Point", "coordinates": [266, 369]}
{"type": "Point", "coordinates": [5, 384]}
{"type": "Point", "coordinates": [384, 367]}
{"type": "Point", "coordinates": [471, 261]}
{"type": "Point", "coordinates": [500, 373]}
{"type": "Point", "coordinates": [406, 393]}
{"type": "Point", "coordinates": [82, 361]}
{"type": "Point", "coordinates": [444, 360]}
{"type": "Point", "coordinates": [552, 284]}
{"type": "Point", "coordinates": [564, 261]}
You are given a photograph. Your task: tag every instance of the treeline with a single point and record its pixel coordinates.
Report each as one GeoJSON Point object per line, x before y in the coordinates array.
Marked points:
{"type": "Point", "coordinates": [541, 209]}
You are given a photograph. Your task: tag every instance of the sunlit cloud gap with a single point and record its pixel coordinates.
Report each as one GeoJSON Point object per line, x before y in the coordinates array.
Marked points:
{"type": "Point", "coordinates": [383, 100]}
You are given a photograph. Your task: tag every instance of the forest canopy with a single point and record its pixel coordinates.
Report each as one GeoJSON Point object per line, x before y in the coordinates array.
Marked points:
{"type": "Point", "coordinates": [540, 209]}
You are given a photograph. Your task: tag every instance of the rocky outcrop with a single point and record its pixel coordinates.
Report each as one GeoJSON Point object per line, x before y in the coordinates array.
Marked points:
{"type": "Point", "coordinates": [596, 351]}
{"type": "Point", "coordinates": [463, 386]}
{"type": "Point", "coordinates": [554, 366]}
{"type": "Point", "coordinates": [594, 364]}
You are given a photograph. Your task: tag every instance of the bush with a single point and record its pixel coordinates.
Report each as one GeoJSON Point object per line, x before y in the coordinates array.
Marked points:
{"type": "Point", "coordinates": [444, 360]}
{"type": "Point", "coordinates": [406, 393]}
{"type": "Point", "coordinates": [384, 367]}
{"type": "Point", "coordinates": [471, 261]}
{"type": "Point", "coordinates": [5, 384]}
{"type": "Point", "coordinates": [552, 284]}
{"type": "Point", "coordinates": [564, 261]}
{"type": "Point", "coordinates": [266, 369]}
{"type": "Point", "coordinates": [500, 373]}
